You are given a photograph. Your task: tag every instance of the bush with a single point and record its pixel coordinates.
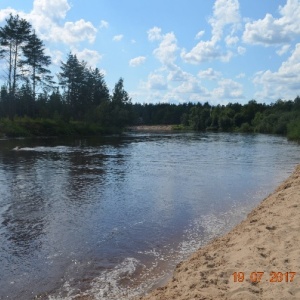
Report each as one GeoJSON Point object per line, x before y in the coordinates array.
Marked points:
{"type": "Point", "coordinates": [245, 127]}
{"type": "Point", "coordinates": [293, 130]}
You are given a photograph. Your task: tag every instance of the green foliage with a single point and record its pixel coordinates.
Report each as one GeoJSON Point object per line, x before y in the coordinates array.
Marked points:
{"type": "Point", "coordinates": [293, 130]}
{"type": "Point", "coordinates": [83, 105]}
{"type": "Point", "coordinates": [246, 128]}
{"type": "Point", "coordinates": [25, 127]}
{"type": "Point", "coordinates": [14, 35]}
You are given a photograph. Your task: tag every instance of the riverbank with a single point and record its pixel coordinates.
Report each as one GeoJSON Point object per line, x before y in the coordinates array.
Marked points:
{"type": "Point", "coordinates": [267, 241]}
{"type": "Point", "coordinates": [150, 128]}
{"type": "Point", "coordinates": [27, 127]}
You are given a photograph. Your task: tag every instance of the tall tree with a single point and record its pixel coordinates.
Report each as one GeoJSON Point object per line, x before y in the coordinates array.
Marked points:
{"type": "Point", "coordinates": [71, 78]}
{"type": "Point", "coordinates": [120, 114]}
{"type": "Point", "coordinates": [13, 36]}
{"type": "Point", "coordinates": [35, 63]}
{"type": "Point", "coordinates": [120, 96]}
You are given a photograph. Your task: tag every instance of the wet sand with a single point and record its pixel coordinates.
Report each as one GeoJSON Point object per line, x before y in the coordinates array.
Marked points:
{"type": "Point", "coordinates": [258, 259]}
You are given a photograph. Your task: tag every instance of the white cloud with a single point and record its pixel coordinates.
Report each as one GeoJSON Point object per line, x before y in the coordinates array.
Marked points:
{"type": "Point", "coordinates": [4, 13]}
{"type": "Point", "coordinates": [74, 32]}
{"type": "Point", "coordinates": [118, 38]}
{"type": "Point", "coordinates": [137, 61]}
{"type": "Point", "coordinates": [47, 19]}
{"type": "Point", "coordinates": [284, 83]}
{"type": "Point", "coordinates": [228, 90]}
{"type": "Point", "coordinates": [103, 72]}
{"type": "Point", "coordinates": [272, 31]}
{"type": "Point", "coordinates": [166, 51]}
{"type": "Point", "coordinates": [54, 9]}
{"type": "Point", "coordinates": [283, 50]}
{"type": "Point", "coordinates": [154, 34]}
{"type": "Point", "coordinates": [176, 74]}
{"type": "Point", "coordinates": [199, 34]}
{"type": "Point", "coordinates": [191, 86]}
{"type": "Point", "coordinates": [104, 24]}
{"type": "Point", "coordinates": [209, 74]}
{"type": "Point", "coordinates": [56, 56]}
{"type": "Point", "coordinates": [92, 57]}
{"type": "Point", "coordinates": [231, 40]}
{"type": "Point", "coordinates": [156, 82]}
{"type": "Point", "coordinates": [225, 12]}
{"type": "Point", "coordinates": [204, 51]}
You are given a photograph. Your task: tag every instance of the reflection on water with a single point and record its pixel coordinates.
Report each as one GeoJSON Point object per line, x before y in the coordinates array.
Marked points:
{"type": "Point", "coordinates": [110, 217]}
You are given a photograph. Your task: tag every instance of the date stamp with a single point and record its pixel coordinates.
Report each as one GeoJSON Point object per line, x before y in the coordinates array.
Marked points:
{"type": "Point", "coordinates": [257, 277]}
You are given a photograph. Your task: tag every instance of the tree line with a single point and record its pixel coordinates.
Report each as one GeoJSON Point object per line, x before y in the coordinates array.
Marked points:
{"type": "Point", "coordinates": [79, 96]}
{"type": "Point", "coordinates": [281, 117]}
{"type": "Point", "coordinates": [79, 93]}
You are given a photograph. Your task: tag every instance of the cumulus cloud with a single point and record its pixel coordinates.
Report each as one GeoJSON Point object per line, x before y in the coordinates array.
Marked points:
{"type": "Point", "coordinates": [209, 74]}
{"type": "Point", "coordinates": [225, 13]}
{"type": "Point", "coordinates": [56, 56]}
{"type": "Point", "coordinates": [283, 83]}
{"type": "Point", "coordinates": [273, 31]}
{"type": "Point", "coordinates": [74, 32]}
{"type": "Point", "coordinates": [191, 86]}
{"type": "Point", "coordinates": [283, 50]}
{"type": "Point", "coordinates": [118, 38]}
{"type": "Point", "coordinates": [4, 13]}
{"type": "Point", "coordinates": [92, 57]}
{"type": "Point", "coordinates": [228, 89]}
{"type": "Point", "coordinates": [54, 9]}
{"type": "Point", "coordinates": [156, 82]}
{"type": "Point", "coordinates": [176, 74]}
{"type": "Point", "coordinates": [231, 40]}
{"type": "Point", "coordinates": [166, 51]}
{"type": "Point", "coordinates": [205, 51]}
{"type": "Point", "coordinates": [154, 34]}
{"type": "Point", "coordinates": [47, 19]}
{"type": "Point", "coordinates": [137, 61]}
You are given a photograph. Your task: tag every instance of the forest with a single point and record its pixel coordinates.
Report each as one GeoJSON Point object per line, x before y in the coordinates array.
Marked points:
{"type": "Point", "coordinates": [77, 101]}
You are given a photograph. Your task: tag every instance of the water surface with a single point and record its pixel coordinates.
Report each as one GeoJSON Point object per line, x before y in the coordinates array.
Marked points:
{"type": "Point", "coordinates": [112, 216]}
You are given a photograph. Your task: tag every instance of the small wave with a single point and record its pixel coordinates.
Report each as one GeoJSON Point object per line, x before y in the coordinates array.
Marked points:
{"type": "Point", "coordinates": [57, 149]}
{"type": "Point", "coordinates": [112, 284]}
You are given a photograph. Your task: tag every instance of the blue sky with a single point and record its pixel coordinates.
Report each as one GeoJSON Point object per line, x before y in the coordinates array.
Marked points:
{"type": "Point", "coordinates": [176, 51]}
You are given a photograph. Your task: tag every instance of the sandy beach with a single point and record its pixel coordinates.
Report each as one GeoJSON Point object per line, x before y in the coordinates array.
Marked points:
{"type": "Point", "coordinates": [258, 259]}
{"type": "Point", "coordinates": [150, 128]}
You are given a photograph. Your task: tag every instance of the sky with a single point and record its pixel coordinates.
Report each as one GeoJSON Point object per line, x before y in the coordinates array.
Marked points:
{"type": "Point", "coordinates": [176, 51]}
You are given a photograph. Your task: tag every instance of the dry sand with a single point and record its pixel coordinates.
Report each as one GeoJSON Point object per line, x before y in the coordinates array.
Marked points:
{"type": "Point", "coordinates": [267, 241]}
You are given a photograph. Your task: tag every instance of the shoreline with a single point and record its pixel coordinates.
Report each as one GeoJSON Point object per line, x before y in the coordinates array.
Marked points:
{"type": "Point", "coordinates": [266, 241]}
{"type": "Point", "coordinates": [150, 128]}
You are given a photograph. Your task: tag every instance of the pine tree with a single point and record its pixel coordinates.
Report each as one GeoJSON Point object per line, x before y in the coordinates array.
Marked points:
{"type": "Point", "coordinates": [35, 63]}
{"type": "Point", "coordinates": [120, 96]}
{"type": "Point", "coordinates": [72, 80]}
{"type": "Point", "coordinates": [13, 36]}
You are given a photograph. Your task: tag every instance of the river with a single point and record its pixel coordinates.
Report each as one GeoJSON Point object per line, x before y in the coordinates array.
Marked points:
{"type": "Point", "coordinates": [111, 216]}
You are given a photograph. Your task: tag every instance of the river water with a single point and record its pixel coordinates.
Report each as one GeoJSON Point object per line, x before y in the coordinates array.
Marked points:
{"type": "Point", "coordinates": [110, 217]}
